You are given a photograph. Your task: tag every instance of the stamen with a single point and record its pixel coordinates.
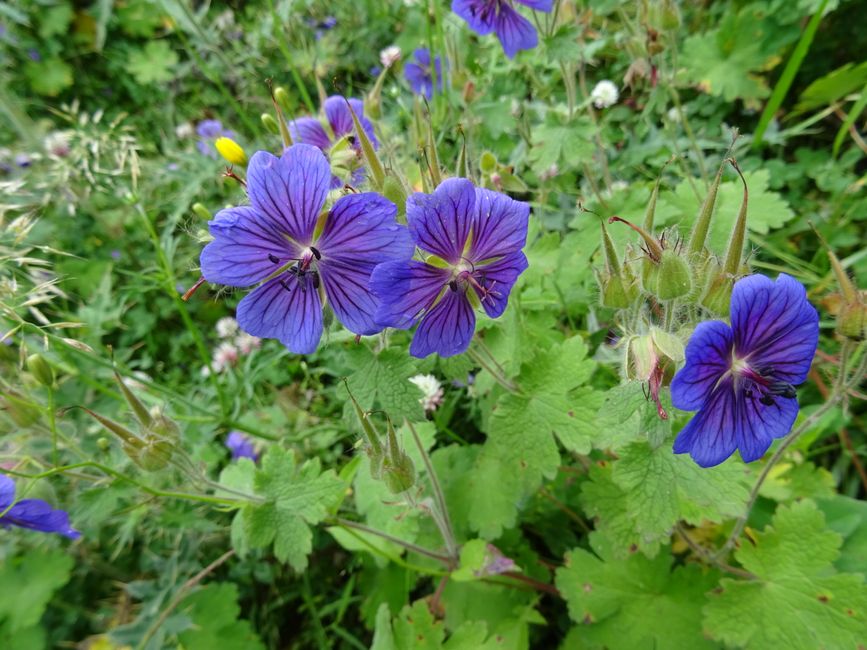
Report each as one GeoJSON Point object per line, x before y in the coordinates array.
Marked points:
{"type": "Point", "coordinates": [189, 293]}
{"type": "Point", "coordinates": [316, 253]}
{"type": "Point", "coordinates": [273, 258]}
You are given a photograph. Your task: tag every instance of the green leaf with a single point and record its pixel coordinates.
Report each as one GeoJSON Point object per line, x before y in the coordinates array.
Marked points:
{"type": "Point", "coordinates": [798, 600]}
{"type": "Point", "coordinates": [521, 449]}
{"type": "Point", "coordinates": [833, 87]}
{"type": "Point", "coordinates": [49, 77]}
{"type": "Point", "coordinates": [382, 380]}
{"type": "Point", "coordinates": [152, 64]}
{"type": "Point", "coordinates": [635, 602]}
{"type": "Point", "coordinates": [29, 581]}
{"type": "Point", "coordinates": [661, 488]}
{"type": "Point", "coordinates": [296, 497]}
{"type": "Point", "coordinates": [55, 20]}
{"type": "Point", "coordinates": [214, 612]}
{"type": "Point", "coordinates": [565, 145]}
{"type": "Point", "coordinates": [416, 629]}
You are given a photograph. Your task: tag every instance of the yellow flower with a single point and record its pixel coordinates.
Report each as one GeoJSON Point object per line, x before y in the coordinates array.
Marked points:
{"type": "Point", "coordinates": [231, 151]}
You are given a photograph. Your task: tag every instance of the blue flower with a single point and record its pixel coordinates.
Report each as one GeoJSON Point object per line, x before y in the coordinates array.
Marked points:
{"type": "Point", "coordinates": [241, 446]}
{"type": "Point", "coordinates": [208, 131]}
{"type": "Point", "coordinates": [499, 16]}
{"type": "Point", "coordinates": [310, 130]}
{"type": "Point", "coordinates": [34, 514]}
{"type": "Point", "coordinates": [420, 75]}
{"type": "Point", "coordinates": [477, 235]}
{"type": "Point", "coordinates": [741, 378]}
{"type": "Point", "coordinates": [299, 257]}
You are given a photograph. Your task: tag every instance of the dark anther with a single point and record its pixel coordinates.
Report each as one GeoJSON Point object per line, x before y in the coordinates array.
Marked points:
{"type": "Point", "coordinates": [295, 270]}
{"type": "Point", "coordinates": [767, 400]}
{"type": "Point", "coordinates": [783, 389]}
{"type": "Point", "coordinates": [284, 285]}
{"type": "Point", "coordinates": [453, 285]}
{"type": "Point", "coordinates": [273, 258]}
{"type": "Point", "coordinates": [315, 278]}
{"type": "Point", "coordinates": [316, 253]}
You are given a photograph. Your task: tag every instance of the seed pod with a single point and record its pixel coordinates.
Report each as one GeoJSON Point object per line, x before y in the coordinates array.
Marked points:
{"type": "Point", "coordinates": [398, 470]}
{"type": "Point", "coordinates": [163, 427]}
{"type": "Point", "coordinates": [40, 369]}
{"type": "Point", "coordinates": [673, 277]}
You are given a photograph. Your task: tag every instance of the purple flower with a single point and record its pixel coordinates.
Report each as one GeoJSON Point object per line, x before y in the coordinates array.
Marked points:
{"type": "Point", "coordinates": [208, 131]}
{"type": "Point", "coordinates": [34, 514]}
{"type": "Point", "coordinates": [419, 73]}
{"type": "Point", "coordinates": [339, 145]}
{"type": "Point", "coordinates": [741, 378]}
{"type": "Point", "coordinates": [514, 31]}
{"type": "Point", "coordinates": [241, 446]}
{"type": "Point", "coordinates": [280, 241]}
{"type": "Point", "coordinates": [477, 235]}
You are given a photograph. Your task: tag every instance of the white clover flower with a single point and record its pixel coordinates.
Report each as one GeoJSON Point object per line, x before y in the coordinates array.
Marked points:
{"type": "Point", "coordinates": [226, 327]}
{"type": "Point", "coordinates": [184, 131]}
{"type": "Point", "coordinates": [432, 389]}
{"type": "Point", "coordinates": [389, 56]}
{"type": "Point", "coordinates": [673, 115]}
{"type": "Point", "coordinates": [604, 94]}
{"type": "Point", "coordinates": [246, 343]}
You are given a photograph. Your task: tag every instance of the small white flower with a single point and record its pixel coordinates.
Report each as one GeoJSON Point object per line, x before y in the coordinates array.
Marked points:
{"type": "Point", "coordinates": [673, 115]}
{"type": "Point", "coordinates": [246, 343]}
{"type": "Point", "coordinates": [432, 389]}
{"type": "Point", "coordinates": [184, 131]}
{"type": "Point", "coordinates": [389, 56]}
{"type": "Point", "coordinates": [604, 94]}
{"type": "Point", "coordinates": [225, 355]}
{"type": "Point", "coordinates": [57, 143]}
{"type": "Point", "coordinates": [226, 327]}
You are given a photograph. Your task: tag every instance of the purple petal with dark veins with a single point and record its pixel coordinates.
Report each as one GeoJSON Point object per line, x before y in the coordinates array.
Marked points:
{"type": "Point", "coordinates": [441, 222]}
{"type": "Point", "coordinates": [340, 118]}
{"type": "Point", "coordinates": [710, 436]}
{"type": "Point", "coordinates": [285, 309]}
{"type": "Point", "coordinates": [514, 31]}
{"type": "Point", "coordinates": [447, 329]}
{"type": "Point", "coordinates": [708, 358]}
{"type": "Point", "coordinates": [499, 225]}
{"type": "Point", "coordinates": [309, 130]}
{"type": "Point", "coordinates": [499, 278]}
{"type": "Point", "coordinates": [774, 325]}
{"type": "Point", "coordinates": [404, 290]}
{"type": "Point", "coordinates": [479, 14]}
{"type": "Point", "coordinates": [290, 190]}
{"type": "Point", "coordinates": [243, 241]}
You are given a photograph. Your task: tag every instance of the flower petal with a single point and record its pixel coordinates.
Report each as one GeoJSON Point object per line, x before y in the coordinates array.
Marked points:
{"type": "Point", "coordinates": [499, 225]}
{"type": "Point", "coordinates": [405, 290]}
{"type": "Point", "coordinates": [440, 222]}
{"type": "Point", "coordinates": [362, 228]}
{"type": "Point", "coordinates": [708, 358]}
{"type": "Point", "coordinates": [243, 240]}
{"type": "Point", "coordinates": [514, 31]}
{"type": "Point", "coordinates": [710, 436]}
{"type": "Point", "coordinates": [291, 313]}
{"type": "Point", "coordinates": [758, 424]}
{"type": "Point", "coordinates": [447, 329]}
{"type": "Point", "coordinates": [538, 5]}
{"type": "Point", "coordinates": [774, 325]}
{"type": "Point", "coordinates": [7, 491]}
{"type": "Point", "coordinates": [499, 278]}
{"type": "Point", "coordinates": [340, 119]}
{"type": "Point", "coordinates": [478, 16]}
{"type": "Point", "coordinates": [290, 190]}
{"type": "Point", "coordinates": [418, 79]}
{"type": "Point", "coordinates": [309, 130]}
{"type": "Point", "coordinates": [36, 514]}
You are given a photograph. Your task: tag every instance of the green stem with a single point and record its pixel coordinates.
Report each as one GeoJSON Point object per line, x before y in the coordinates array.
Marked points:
{"type": "Point", "coordinates": [296, 78]}
{"type": "Point", "coordinates": [52, 424]}
{"type": "Point", "coordinates": [415, 548]}
{"type": "Point", "coordinates": [503, 381]}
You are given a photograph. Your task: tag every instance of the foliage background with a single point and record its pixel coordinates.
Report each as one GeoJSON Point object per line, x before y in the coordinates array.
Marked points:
{"type": "Point", "coordinates": [574, 479]}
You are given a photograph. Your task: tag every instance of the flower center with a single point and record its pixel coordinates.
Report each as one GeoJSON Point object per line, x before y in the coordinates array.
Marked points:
{"type": "Point", "coordinates": [759, 383]}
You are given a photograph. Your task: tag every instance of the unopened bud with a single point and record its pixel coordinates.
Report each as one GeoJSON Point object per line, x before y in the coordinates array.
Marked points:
{"type": "Point", "coordinates": [852, 313]}
{"type": "Point", "coordinates": [163, 427]}
{"type": "Point", "coordinates": [103, 443]}
{"type": "Point", "coordinates": [488, 162]}
{"type": "Point", "coordinates": [270, 123]}
{"type": "Point", "coordinates": [202, 212]}
{"type": "Point", "coordinates": [673, 277]}
{"type": "Point", "coordinates": [282, 98]}
{"type": "Point", "coordinates": [231, 151]}
{"type": "Point", "coordinates": [40, 369]}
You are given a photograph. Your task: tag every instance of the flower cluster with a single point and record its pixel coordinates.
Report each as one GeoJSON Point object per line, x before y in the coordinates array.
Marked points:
{"type": "Point", "coordinates": [499, 16]}
{"type": "Point", "coordinates": [34, 514]}
{"type": "Point", "coordinates": [356, 258]}
{"type": "Point", "coordinates": [233, 346]}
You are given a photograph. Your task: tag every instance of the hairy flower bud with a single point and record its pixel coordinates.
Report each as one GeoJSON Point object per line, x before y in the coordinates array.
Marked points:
{"type": "Point", "coordinates": [202, 212]}
{"type": "Point", "coordinates": [270, 123]}
{"type": "Point", "coordinates": [40, 369]}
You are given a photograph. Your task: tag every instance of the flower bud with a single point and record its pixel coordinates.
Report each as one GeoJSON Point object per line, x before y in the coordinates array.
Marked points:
{"type": "Point", "coordinates": [163, 427]}
{"type": "Point", "coordinates": [40, 369]}
{"type": "Point", "coordinates": [151, 456]}
{"type": "Point", "coordinates": [231, 151]}
{"type": "Point", "coordinates": [202, 212]}
{"type": "Point", "coordinates": [673, 277]}
{"type": "Point", "coordinates": [270, 123]}
{"type": "Point", "coordinates": [618, 289]}
{"type": "Point", "coordinates": [852, 312]}
{"type": "Point", "coordinates": [282, 98]}
{"type": "Point", "coordinates": [488, 162]}
{"type": "Point", "coordinates": [103, 443]}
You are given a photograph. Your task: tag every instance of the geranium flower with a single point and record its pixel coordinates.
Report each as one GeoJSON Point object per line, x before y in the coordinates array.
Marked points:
{"type": "Point", "coordinates": [741, 378]}
{"type": "Point", "coordinates": [420, 75]}
{"type": "Point", "coordinates": [34, 514]}
{"type": "Point", "coordinates": [241, 446]}
{"type": "Point", "coordinates": [474, 238]}
{"type": "Point", "coordinates": [338, 142]}
{"type": "Point", "coordinates": [279, 240]}
{"type": "Point", "coordinates": [499, 16]}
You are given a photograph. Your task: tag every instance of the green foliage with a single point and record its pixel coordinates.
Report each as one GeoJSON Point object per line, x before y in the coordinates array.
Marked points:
{"type": "Point", "coordinates": [49, 77]}
{"type": "Point", "coordinates": [798, 599]}
{"type": "Point", "coordinates": [152, 64]}
{"type": "Point", "coordinates": [214, 615]}
{"type": "Point", "coordinates": [382, 381]}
